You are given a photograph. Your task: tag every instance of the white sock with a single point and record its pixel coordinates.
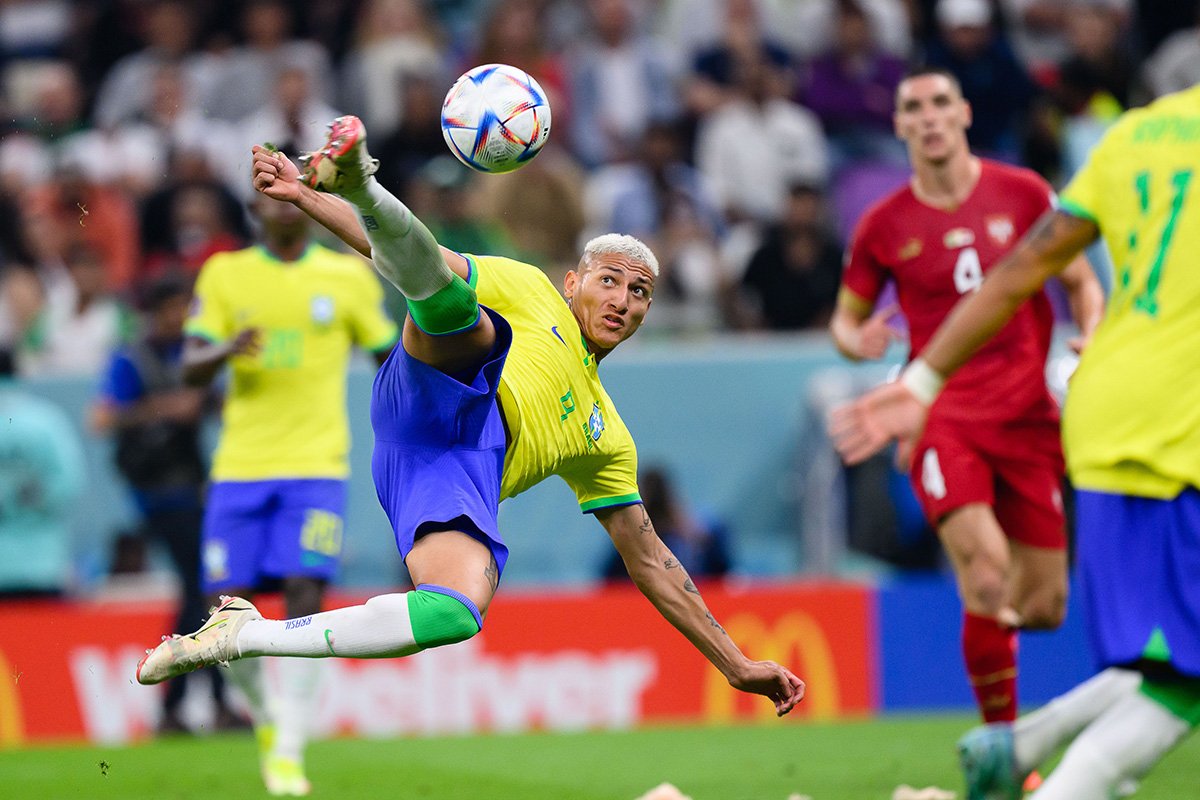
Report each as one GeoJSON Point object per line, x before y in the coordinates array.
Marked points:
{"type": "Point", "coordinates": [247, 676]}
{"type": "Point", "coordinates": [402, 248]}
{"type": "Point", "coordinates": [296, 706]}
{"type": "Point", "coordinates": [380, 628]}
{"type": "Point", "coordinates": [1037, 735]}
{"type": "Point", "coordinates": [1122, 743]}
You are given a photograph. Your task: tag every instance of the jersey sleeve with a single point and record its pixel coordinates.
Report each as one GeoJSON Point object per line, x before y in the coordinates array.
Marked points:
{"type": "Point", "coordinates": [503, 284]}
{"type": "Point", "coordinates": [615, 484]}
{"type": "Point", "coordinates": [862, 273]}
{"type": "Point", "coordinates": [209, 316]}
{"type": "Point", "coordinates": [371, 327]}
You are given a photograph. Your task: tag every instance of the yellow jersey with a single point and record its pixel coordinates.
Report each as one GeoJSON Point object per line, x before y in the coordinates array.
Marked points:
{"type": "Point", "coordinates": [285, 408]}
{"type": "Point", "coordinates": [560, 419]}
{"type": "Point", "coordinates": [1131, 424]}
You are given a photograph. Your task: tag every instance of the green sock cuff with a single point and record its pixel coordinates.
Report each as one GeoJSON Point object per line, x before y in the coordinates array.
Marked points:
{"type": "Point", "coordinates": [1181, 697]}
{"type": "Point", "coordinates": [439, 618]}
{"type": "Point", "coordinates": [452, 309]}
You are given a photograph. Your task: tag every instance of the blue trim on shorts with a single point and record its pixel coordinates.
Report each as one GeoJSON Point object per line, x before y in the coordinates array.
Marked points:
{"type": "Point", "coordinates": [459, 596]}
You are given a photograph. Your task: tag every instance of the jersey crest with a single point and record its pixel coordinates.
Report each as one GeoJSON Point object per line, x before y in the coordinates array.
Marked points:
{"type": "Point", "coordinates": [1001, 229]}
{"type": "Point", "coordinates": [596, 423]}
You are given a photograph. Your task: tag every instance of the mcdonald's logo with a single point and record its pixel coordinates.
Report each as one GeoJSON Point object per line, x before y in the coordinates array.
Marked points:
{"type": "Point", "coordinates": [797, 641]}
{"type": "Point", "coordinates": [12, 723]}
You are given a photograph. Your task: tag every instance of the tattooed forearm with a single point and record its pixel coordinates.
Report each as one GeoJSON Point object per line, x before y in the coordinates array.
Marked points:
{"type": "Point", "coordinates": [492, 573]}
{"type": "Point", "coordinates": [714, 622]}
{"type": "Point", "coordinates": [688, 585]}
{"type": "Point", "coordinates": [646, 526]}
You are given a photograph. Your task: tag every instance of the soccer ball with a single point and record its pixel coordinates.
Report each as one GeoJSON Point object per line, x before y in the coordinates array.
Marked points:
{"type": "Point", "coordinates": [495, 118]}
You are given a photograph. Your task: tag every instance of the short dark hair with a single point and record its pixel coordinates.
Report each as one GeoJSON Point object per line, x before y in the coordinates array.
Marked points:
{"type": "Point", "coordinates": [921, 70]}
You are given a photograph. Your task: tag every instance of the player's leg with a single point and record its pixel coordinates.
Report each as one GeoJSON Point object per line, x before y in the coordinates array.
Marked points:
{"type": "Point", "coordinates": [1126, 741]}
{"type": "Point", "coordinates": [1039, 585]}
{"type": "Point", "coordinates": [979, 554]}
{"type": "Point", "coordinates": [444, 327]}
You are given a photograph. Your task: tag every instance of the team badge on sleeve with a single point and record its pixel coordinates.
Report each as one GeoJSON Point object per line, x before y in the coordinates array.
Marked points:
{"type": "Point", "coordinates": [596, 423]}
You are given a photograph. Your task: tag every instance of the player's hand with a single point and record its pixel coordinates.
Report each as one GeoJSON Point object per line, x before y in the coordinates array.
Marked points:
{"type": "Point", "coordinates": [248, 342]}
{"type": "Point", "coordinates": [877, 334]}
{"type": "Point", "coordinates": [864, 427]}
{"type": "Point", "coordinates": [1077, 344]}
{"type": "Point", "coordinates": [772, 681]}
{"type": "Point", "coordinates": [275, 175]}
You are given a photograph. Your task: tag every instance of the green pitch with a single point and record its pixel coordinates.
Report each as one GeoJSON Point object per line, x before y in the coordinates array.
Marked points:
{"type": "Point", "coordinates": [827, 761]}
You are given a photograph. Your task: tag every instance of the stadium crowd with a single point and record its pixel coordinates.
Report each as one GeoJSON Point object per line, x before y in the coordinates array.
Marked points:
{"type": "Point", "coordinates": [741, 139]}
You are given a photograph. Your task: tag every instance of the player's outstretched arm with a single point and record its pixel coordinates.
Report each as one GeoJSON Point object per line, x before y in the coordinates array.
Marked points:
{"type": "Point", "coordinates": [897, 411]}
{"type": "Point", "coordinates": [859, 332]}
{"type": "Point", "coordinates": [1086, 298]}
{"type": "Point", "coordinates": [664, 581]}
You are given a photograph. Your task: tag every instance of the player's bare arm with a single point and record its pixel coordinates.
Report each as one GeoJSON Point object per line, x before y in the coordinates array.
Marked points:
{"type": "Point", "coordinates": [861, 332]}
{"type": "Point", "coordinates": [1086, 298]}
{"type": "Point", "coordinates": [664, 581]}
{"type": "Point", "coordinates": [202, 359]}
{"type": "Point", "coordinates": [897, 411]}
{"type": "Point", "coordinates": [278, 178]}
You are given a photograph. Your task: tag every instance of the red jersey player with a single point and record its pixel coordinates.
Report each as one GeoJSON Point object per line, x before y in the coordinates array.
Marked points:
{"type": "Point", "coordinates": [988, 467]}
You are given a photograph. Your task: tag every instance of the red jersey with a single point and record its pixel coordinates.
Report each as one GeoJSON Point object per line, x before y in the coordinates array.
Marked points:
{"type": "Point", "coordinates": [935, 256]}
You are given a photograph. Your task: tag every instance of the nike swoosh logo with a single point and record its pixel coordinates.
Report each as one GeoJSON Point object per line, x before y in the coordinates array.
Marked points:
{"type": "Point", "coordinates": [329, 641]}
{"type": "Point", "coordinates": [554, 330]}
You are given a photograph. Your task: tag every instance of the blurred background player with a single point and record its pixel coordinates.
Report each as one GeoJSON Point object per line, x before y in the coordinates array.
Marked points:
{"type": "Point", "coordinates": [452, 436]}
{"type": "Point", "coordinates": [156, 423]}
{"type": "Point", "coordinates": [1132, 429]}
{"type": "Point", "coordinates": [988, 469]}
{"type": "Point", "coordinates": [284, 316]}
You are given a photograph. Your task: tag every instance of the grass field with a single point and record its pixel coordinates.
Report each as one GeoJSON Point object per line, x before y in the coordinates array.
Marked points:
{"type": "Point", "coordinates": [827, 761]}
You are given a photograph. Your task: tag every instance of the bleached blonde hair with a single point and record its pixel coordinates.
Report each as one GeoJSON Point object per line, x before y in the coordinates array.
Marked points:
{"type": "Point", "coordinates": [621, 244]}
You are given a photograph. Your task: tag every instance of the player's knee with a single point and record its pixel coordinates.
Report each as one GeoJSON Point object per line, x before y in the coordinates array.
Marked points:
{"type": "Point", "coordinates": [986, 591]}
{"type": "Point", "coordinates": [442, 616]}
{"type": "Point", "coordinates": [1044, 611]}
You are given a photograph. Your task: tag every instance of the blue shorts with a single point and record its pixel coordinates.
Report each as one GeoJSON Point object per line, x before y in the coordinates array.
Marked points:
{"type": "Point", "coordinates": [271, 529]}
{"type": "Point", "coordinates": [439, 447]}
{"type": "Point", "coordinates": [1139, 566]}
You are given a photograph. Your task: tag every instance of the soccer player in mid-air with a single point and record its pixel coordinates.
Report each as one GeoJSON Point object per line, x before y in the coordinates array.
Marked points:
{"type": "Point", "coordinates": [493, 389]}
{"type": "Point", "coordinates": [1131, 428]}
{"type": "Point", "coordinates": [283, 316]}
{"type": "Point", "coordinates": [988, 470]}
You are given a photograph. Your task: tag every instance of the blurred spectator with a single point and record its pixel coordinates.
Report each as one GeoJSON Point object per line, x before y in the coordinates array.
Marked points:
{"type": "Point", "coordinates": [716, 70]}
{"type": "Point", "coordinates": [791, 281]}
{"type": "Point", "coordinates": [540, 208]}
{"type": "Point", "coordinates": [419, 136]}
{"type": "Point", "coordinates": [994, 82]}
{"type": "Point", "coordinates": [168, 29]}
{"type": "Point", "coordinates": [1175, 65]}
{"type": "Point", "coordinates": [1040, 30]}
{"type": "Point", "coordinates": [79, 323]}
{"type": "Point", "coordinates": [191, 221]}
{"type": "Point", "coordinates": [514, 33]}
{"type": "Point", "coordinates": [695, 537]}
{"type": "Point", "coordinates": [21, 298]}
{"type": "Point", "coordinates": [34, 29]}
{"type": "Point", "coordinates": [294, 119]}
{"type": "Point", "coordinates": [397, 42]}
{"type": "Point", "coordinates": [1098, 63]}
{"type": "Point", "coordinates": [250, 74]}
{"type": "Point", "coordinates": [663, 201]}
{"type": "Point", "coordinates": [1159, 19]}
{"type": "Point", "coordinates": [102, 217]}
{"type": "Point", "coordinates": [621, 82]}
{"type": "Point", "coordinates": [440, 195]}
{"type": "Point", "coordinates": [47, 105]}
{"type": "Point", "coordinates": [805, 29]}
{"type": "Point", "coordinates": [156, 423]}
{"type": "Point", "coordinates": [851, 88]}
{"type": "Point", "coordinates": [41, 478]}
{"type": "Point", "coordinates": [755, 146]}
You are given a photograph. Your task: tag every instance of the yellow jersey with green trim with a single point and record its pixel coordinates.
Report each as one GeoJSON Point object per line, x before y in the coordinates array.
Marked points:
{"type": "Point", "coordinates": [1131, 424]}
{"type": "Point", "coordinates": [560, 419]}
{"type": "Point", "coordinates": [285, 407]}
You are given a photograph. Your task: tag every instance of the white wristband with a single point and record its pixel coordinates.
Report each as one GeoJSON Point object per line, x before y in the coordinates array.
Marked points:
{"type": "Point", "coordinates": [922, 380]}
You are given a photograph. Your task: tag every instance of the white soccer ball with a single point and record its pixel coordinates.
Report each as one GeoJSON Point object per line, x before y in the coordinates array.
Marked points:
{"type": "Point", "coordinates": [495, 118]}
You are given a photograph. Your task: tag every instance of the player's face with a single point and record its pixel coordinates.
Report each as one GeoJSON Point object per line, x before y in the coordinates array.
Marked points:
{"type": "Point", "coordinates": [609, 296]}
{"type": "Point", "coordinates": [932, 118]}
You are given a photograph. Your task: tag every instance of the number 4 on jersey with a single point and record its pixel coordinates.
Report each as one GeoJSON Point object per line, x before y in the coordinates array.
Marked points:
{"type": "Point", "coordinates": [968, 272]}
